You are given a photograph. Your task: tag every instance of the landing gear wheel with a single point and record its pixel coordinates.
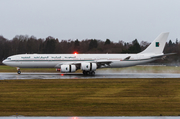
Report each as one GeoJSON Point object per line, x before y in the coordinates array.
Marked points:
{"type": "Point", "coordinates": [84, 72]}
{"type": "Point", "coordinates": [87, 72]}
{"type": "Point", "coordinates": [19, 72]}
{"type": "Point", "coordinates": [92, 73]}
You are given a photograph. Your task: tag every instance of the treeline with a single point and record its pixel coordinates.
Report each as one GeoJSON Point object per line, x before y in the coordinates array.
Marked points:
{"type": "Point", "coordinates": [22, 44]}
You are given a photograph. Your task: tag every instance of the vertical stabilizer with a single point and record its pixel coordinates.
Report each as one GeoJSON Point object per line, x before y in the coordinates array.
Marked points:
{"type": "Point", "coordinates": [157, 46]}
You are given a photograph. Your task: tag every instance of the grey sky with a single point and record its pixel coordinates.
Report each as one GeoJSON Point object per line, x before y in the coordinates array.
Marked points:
{"type": "Point", "coordinates": [81, 19]}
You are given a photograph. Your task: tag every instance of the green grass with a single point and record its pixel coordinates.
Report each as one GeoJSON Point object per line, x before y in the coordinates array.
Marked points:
{"type": "Point", "coordinates": [135, 69]}
{"type": "Point", "coordinates": [92, 97]}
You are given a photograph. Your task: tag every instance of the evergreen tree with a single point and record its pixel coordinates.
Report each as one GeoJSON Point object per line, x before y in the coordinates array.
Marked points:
{"type": "Point", "coordinates": [93, 44]}
{"type": "Point", "coordinates": [134, 48]}
{"type": "Point", "coordinates": [176, 41]}
{"type": "Point", "coordinates": [107, 42]}
{"type": "Point", "coordinates": [50, 45]}
{"type": "Point", "coordinates": [170, 43]}
{"type": "Point", "coordinates": [137, 47]}
{"type": "Point", "coordinates": [76, 45]}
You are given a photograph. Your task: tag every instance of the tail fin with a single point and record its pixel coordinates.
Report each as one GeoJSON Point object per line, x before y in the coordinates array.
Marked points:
{"type": "Point", "coordinates": [157, 46]}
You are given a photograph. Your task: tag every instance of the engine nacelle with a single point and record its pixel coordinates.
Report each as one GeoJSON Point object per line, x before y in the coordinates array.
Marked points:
{"type": "Point", "coordinates": [68, 68]}
{"type": "Point", "coordinates": [88, 66]}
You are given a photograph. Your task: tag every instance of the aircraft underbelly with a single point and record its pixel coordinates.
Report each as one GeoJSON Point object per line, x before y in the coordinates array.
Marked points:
{"type": "Point", "coordinates": [119, 64]}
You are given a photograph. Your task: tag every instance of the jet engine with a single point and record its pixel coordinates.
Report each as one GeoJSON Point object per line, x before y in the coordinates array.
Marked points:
{"type": "Point", "coordinates": [88, 66]}
{"type": "Point", "coordinates": [68, 68]}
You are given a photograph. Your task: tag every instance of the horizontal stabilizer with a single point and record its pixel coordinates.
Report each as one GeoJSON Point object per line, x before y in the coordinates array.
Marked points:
{"type": "Point", "coordinates": [161, 56]}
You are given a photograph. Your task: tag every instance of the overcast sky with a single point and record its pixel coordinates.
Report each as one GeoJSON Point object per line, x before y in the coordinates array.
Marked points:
{"type": "Point", "coordinates": [84, 19]}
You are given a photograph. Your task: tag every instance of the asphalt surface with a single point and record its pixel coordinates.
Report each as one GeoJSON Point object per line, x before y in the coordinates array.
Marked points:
{"type": "Point", "coordinates": [32, 75]}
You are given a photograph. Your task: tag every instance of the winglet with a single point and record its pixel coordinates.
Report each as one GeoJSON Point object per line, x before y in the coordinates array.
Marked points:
{"type": "Point", "coordinates": [157, 46]}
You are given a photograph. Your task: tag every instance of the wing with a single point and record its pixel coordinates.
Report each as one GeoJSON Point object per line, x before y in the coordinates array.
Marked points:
{"type": "Point", "coordinates": [100, 63]}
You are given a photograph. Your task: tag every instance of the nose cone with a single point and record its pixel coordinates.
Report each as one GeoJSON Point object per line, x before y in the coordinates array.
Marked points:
{"type": "Point", "coordinates": [4, 61]}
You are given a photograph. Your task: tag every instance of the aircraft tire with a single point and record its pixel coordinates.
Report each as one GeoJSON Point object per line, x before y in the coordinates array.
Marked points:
{"type": "Point", "coordinates": [19, 72]}
{"type": "Point", "coordinates": [92, 73]}
{"type": "Point", "coordinates": [88, 73]}
{"type": "Point", "coordinates": [84, 72]}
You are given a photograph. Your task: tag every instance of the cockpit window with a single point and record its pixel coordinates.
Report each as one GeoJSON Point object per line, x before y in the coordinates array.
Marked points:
{"type": "Point", "coordinates": [8, 58]}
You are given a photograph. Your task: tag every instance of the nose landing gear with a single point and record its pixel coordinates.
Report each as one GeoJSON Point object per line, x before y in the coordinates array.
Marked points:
{"type": "Point", "coordinates": [18, 70]}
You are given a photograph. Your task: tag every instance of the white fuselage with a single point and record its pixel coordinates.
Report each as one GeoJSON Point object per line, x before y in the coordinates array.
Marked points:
{"type": "Point", "coordinates": [56, 60]}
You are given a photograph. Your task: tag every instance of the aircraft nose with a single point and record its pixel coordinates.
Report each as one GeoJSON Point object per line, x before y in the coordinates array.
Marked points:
{"type": "Point", "coordinates": [4, 61]}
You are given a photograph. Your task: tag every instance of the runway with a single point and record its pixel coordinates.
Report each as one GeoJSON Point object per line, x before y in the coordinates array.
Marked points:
{"type": "Point", "coordinates": [35, 75]}
{"type": "Point", "coordinates": [103, 117]}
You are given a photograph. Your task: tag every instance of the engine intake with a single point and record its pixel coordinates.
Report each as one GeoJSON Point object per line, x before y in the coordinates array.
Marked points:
{"type": "Point", "coordinates": [88, 66]}
{"type": "Point", "coordinates": [68, 68]}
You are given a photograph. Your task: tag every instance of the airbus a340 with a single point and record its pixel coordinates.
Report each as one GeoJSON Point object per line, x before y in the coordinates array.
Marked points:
{"type": "Point", "coordinates": [88, 63]}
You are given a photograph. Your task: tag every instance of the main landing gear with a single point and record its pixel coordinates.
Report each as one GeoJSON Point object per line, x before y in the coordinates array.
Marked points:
{"type": "Point", "coordinates": [18, 70]}
{"type": "Point", "coordinates": [91, 73]}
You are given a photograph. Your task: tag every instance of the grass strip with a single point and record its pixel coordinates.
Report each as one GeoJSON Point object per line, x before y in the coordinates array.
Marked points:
{"type": "Point", "coordinates": [90, 97]}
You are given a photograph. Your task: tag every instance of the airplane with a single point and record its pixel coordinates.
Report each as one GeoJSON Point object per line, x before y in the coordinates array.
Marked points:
{"type": "Point", "coordinates": [88, 63]}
